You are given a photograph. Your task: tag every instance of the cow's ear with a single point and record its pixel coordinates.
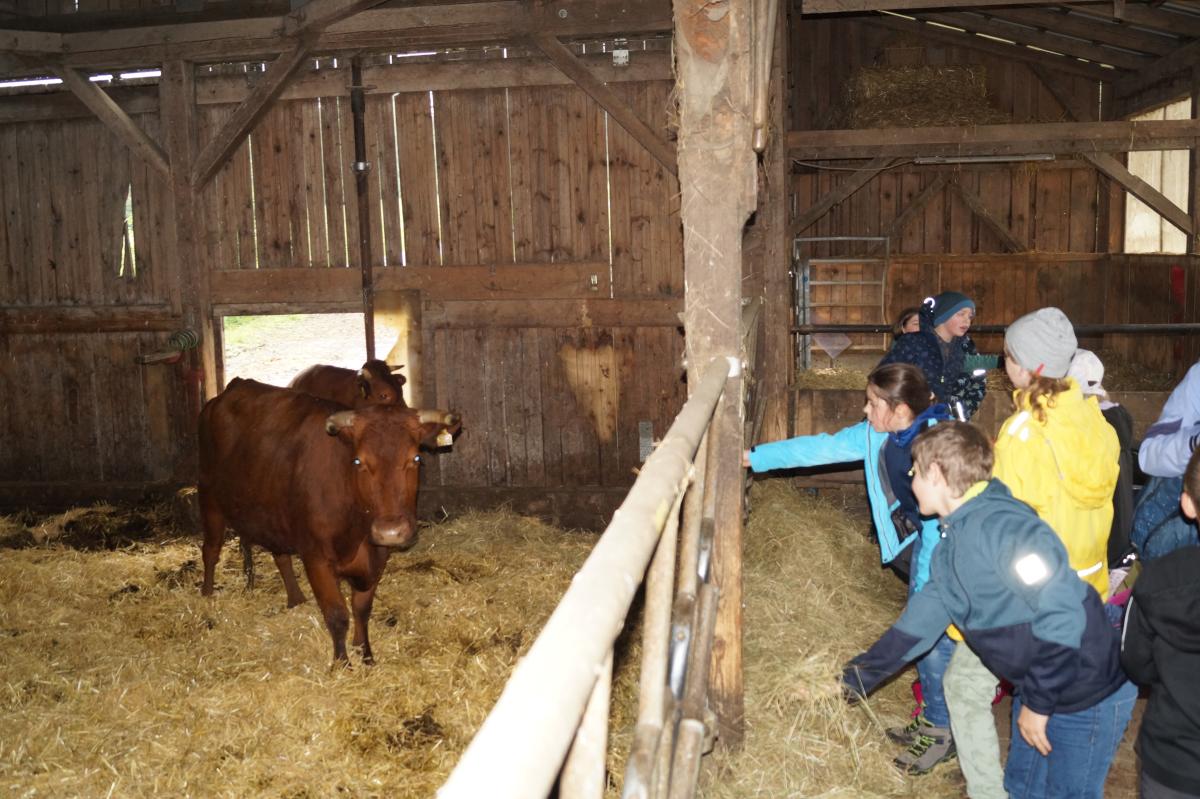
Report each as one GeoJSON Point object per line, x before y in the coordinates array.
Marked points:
{"type": "Point", "coordinates": [337, 422]}
{"type": "Point", "coordinates": [438, 428]}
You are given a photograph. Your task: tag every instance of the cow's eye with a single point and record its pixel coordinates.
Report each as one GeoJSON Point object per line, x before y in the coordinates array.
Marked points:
{"type": "Point", "coordinates": [357, 462]}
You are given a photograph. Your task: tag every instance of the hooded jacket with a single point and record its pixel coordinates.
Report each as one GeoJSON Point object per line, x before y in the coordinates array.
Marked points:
{"type": "Point", "coordinates": [948, 376]}
{"type": "Point", "coordinates": [1066, 469]}
{"type": "Point", "coordinates": [1002, 577]}
{"type": "Point", "coordinates": [1169, 441]}
{"type": "Point", "coordinates": [1160, 648]}
{"type": "Point", "coordinates": [859, 442]}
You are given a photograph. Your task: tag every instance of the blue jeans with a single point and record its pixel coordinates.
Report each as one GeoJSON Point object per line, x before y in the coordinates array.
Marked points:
{"type": "Point", "coordinates": [1082, 748]}
{"type": "Point", "coordinates": [931, 668]}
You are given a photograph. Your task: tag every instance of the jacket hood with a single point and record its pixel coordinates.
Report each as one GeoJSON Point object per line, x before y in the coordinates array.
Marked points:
{"type": "Point", "coordinates": [1171, 604]}
{"type": "Point", "coordinates": [1084, 444]}
{"type": "Point", "coordinates": [938, 412]}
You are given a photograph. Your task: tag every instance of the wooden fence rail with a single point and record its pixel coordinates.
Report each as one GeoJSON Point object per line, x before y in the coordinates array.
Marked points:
{"type": "Point", "coordinates": [520, 748]}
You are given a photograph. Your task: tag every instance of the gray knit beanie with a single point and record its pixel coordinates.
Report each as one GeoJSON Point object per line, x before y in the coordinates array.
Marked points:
{"type": "Point", "coordinates": [1043, 342]}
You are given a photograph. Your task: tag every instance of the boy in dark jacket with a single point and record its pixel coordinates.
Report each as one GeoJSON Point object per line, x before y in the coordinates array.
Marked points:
{"type": "Point", "coordinates": [941, 349]}
{"type": "Point", "coordinates": [1160, 649]}
{"type": "Point", "coordinates": [1002, 576]}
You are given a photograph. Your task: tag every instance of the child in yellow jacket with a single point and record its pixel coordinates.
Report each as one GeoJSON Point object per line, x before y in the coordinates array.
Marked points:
{"type": "Point", "coordinates": [1056, 453]}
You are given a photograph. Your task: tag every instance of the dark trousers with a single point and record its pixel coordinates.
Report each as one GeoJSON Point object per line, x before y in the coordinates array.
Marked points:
{"type": "Point", "coordinates": [1149, 788]}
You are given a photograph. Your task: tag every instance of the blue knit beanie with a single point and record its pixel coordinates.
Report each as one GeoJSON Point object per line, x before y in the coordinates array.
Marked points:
{"type": "Point", "coordinates": [949, 303]}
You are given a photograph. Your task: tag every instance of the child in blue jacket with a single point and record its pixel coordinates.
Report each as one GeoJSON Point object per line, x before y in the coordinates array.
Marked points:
{"type": "Point", "coordinates": [898, 408]}
{"type": "Point", "coordinates": [1002, 577]}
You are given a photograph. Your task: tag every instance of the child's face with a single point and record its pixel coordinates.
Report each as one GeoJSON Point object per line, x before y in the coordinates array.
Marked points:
{"type": "Point", "coordinates": [960, 322]}
{"type": "Point", "coordinates": [930, 489]}
{"type": "Point", "coordinates": [882, 417]}
{"type": "Point", "coordinates": [912, 324]}
{"type": "Point", "coordinates": [1018, 374]}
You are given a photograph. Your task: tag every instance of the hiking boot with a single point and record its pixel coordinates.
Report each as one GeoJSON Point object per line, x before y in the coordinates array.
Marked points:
{"type": "Point", "coordinates": [907, 735]}
{"type": "Point", "coordinates": [933, 745]}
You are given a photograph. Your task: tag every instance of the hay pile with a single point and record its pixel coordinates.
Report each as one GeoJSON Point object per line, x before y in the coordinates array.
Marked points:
{"type": "Point", "coordinates": [918, 96]}
{"type": "Point", "coordinates": [815, 596]}
{"type": "Point", "coordinates": [120, 680]}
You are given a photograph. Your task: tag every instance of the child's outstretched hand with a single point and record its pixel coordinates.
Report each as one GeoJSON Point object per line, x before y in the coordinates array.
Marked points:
{"type": "Point", "coordinates": [745, 459]}
{"type": "Point", "coordinates": [1033, 729]}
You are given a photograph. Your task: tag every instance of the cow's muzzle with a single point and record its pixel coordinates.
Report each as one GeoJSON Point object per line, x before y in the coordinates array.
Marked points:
{"type": "Point", "coordinates": [398, 533]}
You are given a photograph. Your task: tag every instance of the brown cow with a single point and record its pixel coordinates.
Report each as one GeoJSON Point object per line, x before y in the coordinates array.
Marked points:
{"type": "Point", "coordinates": [375, 383]}
{"type": "Point", "coordinates": [299, 475]}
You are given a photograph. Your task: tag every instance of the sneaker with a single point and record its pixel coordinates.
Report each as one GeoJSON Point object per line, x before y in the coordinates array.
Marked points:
{"type": "Point", "coordinates": [933, 746]}
{"type": "Point", "coordinates": [907, 735]}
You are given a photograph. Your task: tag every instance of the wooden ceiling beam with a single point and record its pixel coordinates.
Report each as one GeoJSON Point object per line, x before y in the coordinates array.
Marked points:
{"type": "Point", "coordinates": [394, 29]}
{"type": "Point", "coordinates": [19, 41]}
{"type": "Point", "coordinates": [1020, 34]}
{"type": "Point", "coordinates": [1091, 28]}
{"type": "Point", "coordinates": [247, 115]}
{"type": "Point", "coordinates": [319, 14]}
{"type": "Point", "coordinates": [618, 109]}
{"type": "Point", "coordinates": [1177, 62]}
{"type": "Point", "coordinates": [860, 6]}
{"type": "Point", "coordinates": [1007, 51]}
{"type": "Point", "coordinates": [115, 118]}
{"type": "Point", "coordinates": [1138, 14]}
{"type": "Point", "coordinates": [1059, 138]}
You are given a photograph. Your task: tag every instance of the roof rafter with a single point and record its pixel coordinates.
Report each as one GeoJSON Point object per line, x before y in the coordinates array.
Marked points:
{"type": "Point", "coordinates": [1091, 28]}
{"type": "Point", "coordinates": [1174, 63]}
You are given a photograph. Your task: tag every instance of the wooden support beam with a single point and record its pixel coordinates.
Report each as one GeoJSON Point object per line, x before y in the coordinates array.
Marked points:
{"type": "Point", "coordinates": [20, 41]}
{"type": "Point", "coordinates": [1073, 110]}
{"type": "Point", "coordinates": [1045, 40]}
{"type": "Point", "coordinates": [618, 109]}
{"type": "Point", "coordinates": [1007, 51]}
{"type": "Point", "coordinates": [841, 193]}
{"type": "Point", "coordinates": [910, 212]}
{"type": "Point", "coordinates": [717, 174]}
{"type": "Point", "coordinates": [1059, 138]}
{"type": "Point", "coordinates": [254, 108]}
{"type": "Point", "coordinates": [975, 203]}
{"type": "Point", "coordinates": [1175, 62]}
{"type": "Point", "coordinates": [115, 118]}
{"type": "Point", "coordinates": [1139, 188]}
{"type": "Point", "coordinates": [317, 14]}
{"type": "Point", "coordinates": [1194, 166]}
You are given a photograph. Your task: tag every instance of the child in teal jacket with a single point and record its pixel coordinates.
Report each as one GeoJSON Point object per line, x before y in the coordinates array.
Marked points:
{"type": "Point", "coordinates": [897, 409]}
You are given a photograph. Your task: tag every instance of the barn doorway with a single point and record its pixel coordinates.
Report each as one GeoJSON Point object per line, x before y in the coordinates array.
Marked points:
{"type": "Point", "coordinates": [275, 348]}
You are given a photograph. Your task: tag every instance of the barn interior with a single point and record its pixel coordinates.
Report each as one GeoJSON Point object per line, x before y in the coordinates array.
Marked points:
{"type": "Point", "coordinates": [560, 210]}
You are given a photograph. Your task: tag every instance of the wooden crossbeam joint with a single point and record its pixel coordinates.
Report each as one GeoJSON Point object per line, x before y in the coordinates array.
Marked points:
{"type": "Point", "coordinates": [114, 117]}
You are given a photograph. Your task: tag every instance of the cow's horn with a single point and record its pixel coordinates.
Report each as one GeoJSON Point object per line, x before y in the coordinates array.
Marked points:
{"type": "Point", "coordinates": [437, 417]}
{"type": "Point", "coordinates": [338, 421]}
{"type": "Point", "coordinates": [394, 369]}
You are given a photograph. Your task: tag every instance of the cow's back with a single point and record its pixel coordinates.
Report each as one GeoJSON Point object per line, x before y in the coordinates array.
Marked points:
{"type": "Point", "coordinates": [333, 383]}
{"type": "Point", "coordinates": [267, 462]}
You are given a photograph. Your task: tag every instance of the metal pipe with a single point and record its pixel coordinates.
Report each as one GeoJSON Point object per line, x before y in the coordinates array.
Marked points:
{"type": "Point", "coordinates": [1080, 330]}
{"type": "Point", "coordinates": [520, 747]}
{"type": "Point", "coordinates": [583, 774]}
{"type": "Point", "coordinates": [361, 188]}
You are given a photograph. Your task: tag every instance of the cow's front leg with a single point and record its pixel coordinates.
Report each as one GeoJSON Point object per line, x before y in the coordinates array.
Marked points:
{"type": "Point", "coordinates": [362, 602]}
{"type": "Point", "coordinates": [324, 582]}
{"type": "Point", "coordinates": [294, 595]}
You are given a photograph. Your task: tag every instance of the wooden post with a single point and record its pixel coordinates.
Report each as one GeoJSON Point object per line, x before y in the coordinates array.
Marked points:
{"type": "Point", "coordinates": [358, 110]}
{"type": "Point", "coordinates": [717, 183]}
{"type": "Point", "coordinates": [1194, 194]}
{"type": "Point", "coordinates": [775, 370]}
{"type": "Point", "coordinates": [187, 269]}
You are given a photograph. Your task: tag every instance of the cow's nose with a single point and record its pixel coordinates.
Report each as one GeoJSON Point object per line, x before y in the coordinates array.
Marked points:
{"type": "Point", "coordinates": [399, 533]}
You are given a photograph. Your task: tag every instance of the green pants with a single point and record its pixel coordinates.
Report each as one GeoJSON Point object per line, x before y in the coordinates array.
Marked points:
{"type": "Point", "coordinates": [970, 689]}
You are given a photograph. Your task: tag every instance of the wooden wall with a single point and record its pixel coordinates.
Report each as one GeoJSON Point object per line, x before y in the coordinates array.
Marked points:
{"type": "Point", "coordinates": [553, 375]}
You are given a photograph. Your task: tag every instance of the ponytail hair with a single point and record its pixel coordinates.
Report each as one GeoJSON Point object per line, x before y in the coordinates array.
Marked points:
{"type": "Point", "coordinates": [901, 383]}
{"type": "Point", "coordinates": [1041, 388]}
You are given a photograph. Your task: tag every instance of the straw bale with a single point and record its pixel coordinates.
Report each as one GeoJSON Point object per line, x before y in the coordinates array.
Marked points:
{"type": "Point", "coordinates": [119, 679]}
{"type": "Point", "coordinates": [918, 96]}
